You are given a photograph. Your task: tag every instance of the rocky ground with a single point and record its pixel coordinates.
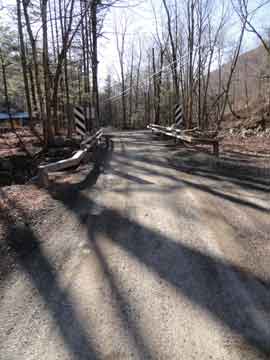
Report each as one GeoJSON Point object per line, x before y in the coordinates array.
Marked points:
{"type": "Point", "coordinates": [21, 153]}
{"type": "Point", "coordinates": [247, 141]}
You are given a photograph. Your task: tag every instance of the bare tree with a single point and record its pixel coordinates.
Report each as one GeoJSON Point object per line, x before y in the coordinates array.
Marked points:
{"type": "Point", "coordinates": [120, 43]}
{"type": "Point", "coordinates": [231, 72]}
{"type": "Point", "coordinates": [173, 50]}
{"type": "Point", "coordinates": [131, 78]}
{"type": "Point", "coordinates": [246, 16]}
{"type": "Point", "coordinates": [138, 77]}
{"type": "Point", "coordinates": [23, 60]}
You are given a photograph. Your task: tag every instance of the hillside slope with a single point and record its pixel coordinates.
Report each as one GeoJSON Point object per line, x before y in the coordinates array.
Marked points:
{"type": "Point", "coordinates": [250, 90]}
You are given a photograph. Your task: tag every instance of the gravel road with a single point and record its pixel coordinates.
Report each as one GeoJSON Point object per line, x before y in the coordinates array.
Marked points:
{"type": "Point", "coordinates": [143, 260]}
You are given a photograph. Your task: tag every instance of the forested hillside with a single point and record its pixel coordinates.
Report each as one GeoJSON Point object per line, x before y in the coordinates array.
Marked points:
{"type": "Point", "coordinates": [250, 91]}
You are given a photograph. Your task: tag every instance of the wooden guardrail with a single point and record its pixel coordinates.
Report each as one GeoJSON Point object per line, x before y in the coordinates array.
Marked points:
{"type": "Point", "coordinates": [162, 130]}
{"type": "Point", "coordinates": [86, 145]}
{"type": "Point", "coordinates": [185, 136]}
{"type": "Point", "coordinates": [88, 142]}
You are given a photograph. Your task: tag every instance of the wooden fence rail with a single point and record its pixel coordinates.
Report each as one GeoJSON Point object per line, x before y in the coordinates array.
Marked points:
{"type": "Point", "coordinates": [186, 136]}
{"type": "Point", "coordinates": [75, 160]}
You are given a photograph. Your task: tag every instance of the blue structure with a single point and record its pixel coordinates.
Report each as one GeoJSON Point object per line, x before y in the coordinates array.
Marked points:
{"type": "Point", "coordinates": [19, 117]}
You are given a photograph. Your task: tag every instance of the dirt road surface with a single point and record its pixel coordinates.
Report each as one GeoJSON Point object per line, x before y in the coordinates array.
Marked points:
{"type": "Point", "coordinates": [144, 260]}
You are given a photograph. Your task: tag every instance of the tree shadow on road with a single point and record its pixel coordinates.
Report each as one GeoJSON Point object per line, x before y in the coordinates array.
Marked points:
{"type": "Point", "coordinates": [72, 196]}
{"type": "Point", "coordinates": [199, 173]}
{"type": "Point", "coordinates": [234, 296]}
{"type": "Point", "coordinates": [27, 251]}
{"type": "Point", "coordinates": [123, 305]}
{"type": "Point", "coordinates": [239, 169]}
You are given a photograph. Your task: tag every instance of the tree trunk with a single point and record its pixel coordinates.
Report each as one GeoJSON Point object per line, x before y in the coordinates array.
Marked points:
{"type": "Point", "coordinates": [7, 104]}
{"type": "Point", "coordinates": [23, 61]}
{"type": "Point", "coordinates": [95, 94]}
{"type": "Point", "coordinates": [131, 86]}
{"type": "Point", "coordinates": [159, 82]}
{"type": "Point", "coordinates": [233, 66]}
{"type": "Point", "coordinates": [46, 72]}
{"type": "Point", "coordinates": [174, 54]}
{"type": "Point", "coordinates": [190, 61]}
{"type": "Point", "coordinates": [36, 70]}
{"type": "Point", "coordinates": [138, 80]}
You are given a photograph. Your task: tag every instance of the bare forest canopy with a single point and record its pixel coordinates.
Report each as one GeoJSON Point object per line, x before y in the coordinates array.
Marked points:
{"type": "Point", "coordinates": [50, 61]}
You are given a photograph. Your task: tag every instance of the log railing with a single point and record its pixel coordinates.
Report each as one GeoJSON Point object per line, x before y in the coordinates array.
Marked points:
{"type": "Point", "coordinates": [75, 160]}
{"type": "Point", "coordinates": [186, 136]}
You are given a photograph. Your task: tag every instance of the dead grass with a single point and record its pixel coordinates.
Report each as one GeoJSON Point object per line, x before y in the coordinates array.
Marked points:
{"type": "Point", "coordinates": [251, 145]}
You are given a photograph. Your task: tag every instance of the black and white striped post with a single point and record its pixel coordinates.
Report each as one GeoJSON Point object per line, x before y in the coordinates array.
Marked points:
{"type": "Point", "coordinates": [178, 115]}
{"type": "Point", "coordinates": [79, 119]}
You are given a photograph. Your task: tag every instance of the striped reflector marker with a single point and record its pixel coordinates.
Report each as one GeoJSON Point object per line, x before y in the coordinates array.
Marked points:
{"type": "Point", "coordinates": [178, 115]}
{"type": "Point", "coordinates": [79, 118]}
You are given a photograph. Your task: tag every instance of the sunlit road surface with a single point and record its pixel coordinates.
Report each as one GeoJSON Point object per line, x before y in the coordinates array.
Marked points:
{"type": "Point", "coordinates": [148, 261]}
